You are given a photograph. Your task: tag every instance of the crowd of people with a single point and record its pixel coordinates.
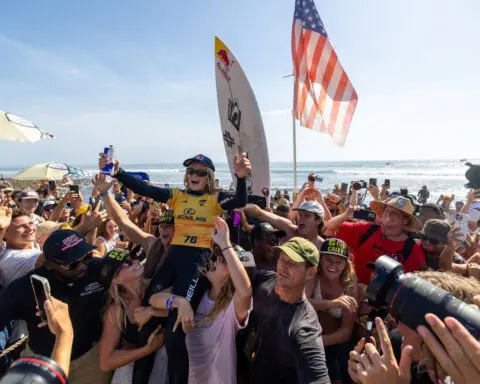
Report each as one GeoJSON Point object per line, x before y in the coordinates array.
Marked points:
{"type": "Point", "coordinates": [198, 285]}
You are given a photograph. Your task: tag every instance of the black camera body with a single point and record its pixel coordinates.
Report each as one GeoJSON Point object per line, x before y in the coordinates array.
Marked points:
{"type": "Point", "coordinates": [357, 185]}
{"type": "Point", "coordinates": [409, 298]}
{"type": "Point", "coordinates": [34, 369]}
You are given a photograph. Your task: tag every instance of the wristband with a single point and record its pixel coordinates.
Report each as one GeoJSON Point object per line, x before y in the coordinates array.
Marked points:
{"type": "Point", "coordinates": [169, 303]}
{"type": "Point", "coordinates": [104, 194]}
{"type": "Point", "coordinates": [224, 249]}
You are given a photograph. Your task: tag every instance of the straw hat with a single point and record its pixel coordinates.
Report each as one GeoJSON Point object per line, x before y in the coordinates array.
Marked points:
{"type": "Point", "coordinates": [403, 205]}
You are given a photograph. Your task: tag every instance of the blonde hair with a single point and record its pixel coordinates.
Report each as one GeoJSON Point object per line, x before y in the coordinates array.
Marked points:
{"type": "Point", "coordinates": [211, 186]}
{"type": "Point", "coordinates": [348, 278]}
{"type": "Point", "coordinates": [115, 298]}
{"type": "Point", "coordinates": [463, 288]}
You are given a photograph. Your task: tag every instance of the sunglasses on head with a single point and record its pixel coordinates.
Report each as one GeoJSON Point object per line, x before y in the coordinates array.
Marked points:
{"type": "Point", "coordinates": [75, 264]}
{"type": "Point", "coordinates": [198, 172]}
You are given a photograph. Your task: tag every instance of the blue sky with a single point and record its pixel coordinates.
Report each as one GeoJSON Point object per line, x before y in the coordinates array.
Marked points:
{"type": "Point", "coordinates": [140, 75]}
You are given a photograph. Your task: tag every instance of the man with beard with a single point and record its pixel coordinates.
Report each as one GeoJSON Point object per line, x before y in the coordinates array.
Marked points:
{"type": "Point", "coordinates": [75, 279]}
{"type": "Point", "coordinates": [263, 238]}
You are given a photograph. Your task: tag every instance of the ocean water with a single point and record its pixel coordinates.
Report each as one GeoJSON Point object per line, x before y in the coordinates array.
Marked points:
{"type": "Point", "coordinates": [441, 176]}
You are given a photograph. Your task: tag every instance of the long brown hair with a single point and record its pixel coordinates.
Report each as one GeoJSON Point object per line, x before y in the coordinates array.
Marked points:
{"type": "Point", "coordinates": [102, 228]}
{"type": "Point", "coordinates": [210, 188]}
{"type": "Point", "coordinates": [226, 293]}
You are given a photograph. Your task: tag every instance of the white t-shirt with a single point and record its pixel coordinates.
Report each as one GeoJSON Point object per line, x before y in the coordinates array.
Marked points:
{"type": "Point", "coordinates": [109, 245]}
{"type": "Point", "coordinates": [15, 263]}
{"type": "Point", "coordinates": [212, 352]}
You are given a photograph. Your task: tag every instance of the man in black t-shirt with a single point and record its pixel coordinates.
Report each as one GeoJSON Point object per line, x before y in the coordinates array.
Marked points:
{"type": "Point", "coordinates": [283, 337]}
{"type": "Point", "coordinates": [76, 283]}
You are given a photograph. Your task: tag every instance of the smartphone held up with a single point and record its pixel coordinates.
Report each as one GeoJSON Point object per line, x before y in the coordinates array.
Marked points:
{"type": "Point", "coordinates": [42, 293]}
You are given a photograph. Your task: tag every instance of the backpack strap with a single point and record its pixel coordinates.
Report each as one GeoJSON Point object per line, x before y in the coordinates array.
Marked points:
{"type": "Point", "coordinates": [407, 249]}
{"type": "Point", "coordinates": [369, 233]}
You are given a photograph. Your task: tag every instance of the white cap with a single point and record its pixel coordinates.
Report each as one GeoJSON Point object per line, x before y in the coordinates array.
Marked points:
{"type": "Point", "coordinates": [311, 206]}
{"type": "Point", "coordinates": [245, 257]}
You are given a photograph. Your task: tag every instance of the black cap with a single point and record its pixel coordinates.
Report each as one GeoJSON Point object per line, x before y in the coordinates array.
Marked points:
{"type": "Point", "coordinates": [264, 229]}
{"type": "Point", "coordinates": [335, 247]}
{"type": "Point", "coordinates": [200, 159]}
{"type": "Point", "coordinates": [111, 263]}
{"type": "Point", "coordinates": [65, 246]}
{"type": "Point", "coordinates": [167, 217]}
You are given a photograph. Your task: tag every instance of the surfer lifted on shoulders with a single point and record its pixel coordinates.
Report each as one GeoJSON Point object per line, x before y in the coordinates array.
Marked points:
{"type": "Point", "coordinates": [194, 209]}
{"type": "Point", "coordinates": [310, 220]}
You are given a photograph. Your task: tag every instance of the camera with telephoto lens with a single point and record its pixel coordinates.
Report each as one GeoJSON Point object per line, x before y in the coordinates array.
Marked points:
{"type": "Point", "coordinates": [34, 369]}
{"type": "Point", "coordinates": [409, 298]}
{"type": "Point", "coordinates": [357, 185]}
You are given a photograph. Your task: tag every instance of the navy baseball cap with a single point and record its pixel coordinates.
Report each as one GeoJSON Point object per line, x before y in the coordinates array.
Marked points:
{"type": "Point", "coordinates": [66, 246]}
{"type": "Point", "coordinates": [200, 159]}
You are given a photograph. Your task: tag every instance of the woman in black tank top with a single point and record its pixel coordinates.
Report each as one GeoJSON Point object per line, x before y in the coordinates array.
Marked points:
{"type": "Point", "coordinates": [118, 348]}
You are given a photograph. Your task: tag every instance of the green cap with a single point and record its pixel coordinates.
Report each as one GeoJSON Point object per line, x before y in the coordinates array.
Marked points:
{"type": "Point", "coordinates": [300, 250]}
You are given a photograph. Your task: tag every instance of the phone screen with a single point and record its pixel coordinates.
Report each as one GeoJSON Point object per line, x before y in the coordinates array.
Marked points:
{"type": "Point", "coordinates": [461, 222]}
{"type": "Point", "coordinates": [73, 188]}
{"type": "Point", "coordinates": [372, 182]}
{"type": "Point", "coordinates": [344, 187]}
{"type": "Point", "coordinates": [41, 290]}
{"type": "Point", "coordinates": [387, 182]}
{"type": "Point", "coordinates": [52, 185]}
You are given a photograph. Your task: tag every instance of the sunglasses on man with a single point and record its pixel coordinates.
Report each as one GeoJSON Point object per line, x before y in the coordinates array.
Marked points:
{"type": "Point", "coordinates": [75, 264]}
{"type": "Point", "coordinates": [272, 240]}
{"type": "Point", "coordinates": [198, 172]}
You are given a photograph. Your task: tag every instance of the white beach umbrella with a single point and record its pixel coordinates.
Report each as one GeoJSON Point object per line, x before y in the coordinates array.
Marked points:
{"type": "Point", "coordinates": [13, 127]}
{"type": "Point", "coordinates": [50, 171]}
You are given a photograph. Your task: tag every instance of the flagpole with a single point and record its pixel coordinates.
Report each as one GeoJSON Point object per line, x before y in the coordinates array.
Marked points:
{"type": "Point", "coordinates": [294, 130]}
{"type": "Point", "coordinates": [294, 152]}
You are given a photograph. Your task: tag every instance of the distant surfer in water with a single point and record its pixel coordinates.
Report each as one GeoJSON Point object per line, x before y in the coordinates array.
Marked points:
{"type": "Point", "coordinates": [194, 209]}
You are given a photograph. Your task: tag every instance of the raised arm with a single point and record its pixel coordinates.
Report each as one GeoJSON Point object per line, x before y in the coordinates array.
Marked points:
{"type": "Point", "coordinates": [137, 186]}
{"type": "Point", "coordinates": [335, 222]}
{"type": "Point", "coordinates": [242, 168]}
{"type": "Point", "coordinates": [278, 222]}
{"type": "Point", "coordinates": [238, 274]}
{"type": "Point", "coordinates": [59, 323]}
{"type": "Point", "coordinates": [142, 188]}
{"type": "Point", "coordinates": [134, 233]}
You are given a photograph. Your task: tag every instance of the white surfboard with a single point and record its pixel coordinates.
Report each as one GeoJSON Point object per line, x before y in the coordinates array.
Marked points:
{"type": "Point", "coordinates": [241, 123]}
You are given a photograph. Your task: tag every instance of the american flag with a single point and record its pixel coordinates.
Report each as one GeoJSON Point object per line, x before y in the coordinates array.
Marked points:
{"type": "Point", "coordinates": [324, 97]}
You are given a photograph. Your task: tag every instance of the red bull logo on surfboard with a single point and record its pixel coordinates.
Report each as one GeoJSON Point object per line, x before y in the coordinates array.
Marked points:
{"type": "Point", "coordinates": [224, 63]}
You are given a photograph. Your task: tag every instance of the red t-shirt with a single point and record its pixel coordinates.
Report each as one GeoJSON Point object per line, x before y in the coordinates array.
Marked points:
{"type": "Point", "coordinates": [374, 247]}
